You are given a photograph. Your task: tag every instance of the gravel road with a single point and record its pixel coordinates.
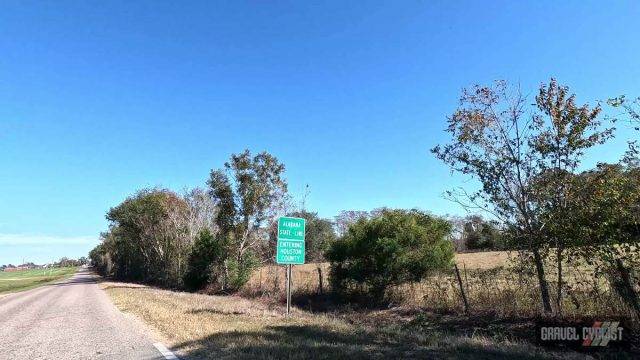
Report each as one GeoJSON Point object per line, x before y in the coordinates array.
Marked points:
{"type": "Point", "coordinates": [71, 319]}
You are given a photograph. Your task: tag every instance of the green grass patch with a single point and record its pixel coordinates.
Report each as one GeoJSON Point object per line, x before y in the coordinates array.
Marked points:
{"type": "Point", "coordinates": [28, 279]}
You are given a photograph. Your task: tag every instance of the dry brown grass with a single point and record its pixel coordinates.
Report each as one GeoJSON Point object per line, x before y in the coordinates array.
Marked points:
{"type": "Point", "coordinates": [484, 260]}
{"type": "Point", "coordinates": [269, 280]}
{"type": "Point", "coordinates": [198, 326]}
{"type": "Point", "coordinates": [492, 285]}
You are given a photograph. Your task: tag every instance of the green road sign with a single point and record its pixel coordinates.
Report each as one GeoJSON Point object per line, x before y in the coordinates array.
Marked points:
{"type": "Point", "coordinates": [290, 249]}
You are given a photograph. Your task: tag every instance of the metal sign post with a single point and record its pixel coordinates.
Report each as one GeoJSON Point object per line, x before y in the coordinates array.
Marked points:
{"type": "Point", "coordinates": [291, 247]}
{"type": "Point", "coordinates": [289, 288]}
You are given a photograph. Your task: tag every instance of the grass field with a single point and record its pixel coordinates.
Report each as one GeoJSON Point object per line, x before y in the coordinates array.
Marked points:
{"type": "Point", "coordinates": [425, 320]}
{"type": "Point", "coordinates": [492, 285]}
{"type": "Point", "coordinates": [198, 326]}
{"type": "Point", "coordinates": [305, 277]}
{"type": "Point", "coordinates": [28, 279]}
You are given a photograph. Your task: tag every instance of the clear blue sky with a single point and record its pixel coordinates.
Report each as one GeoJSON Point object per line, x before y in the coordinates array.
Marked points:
{"type": "Point", "coordinates": [100, 98]}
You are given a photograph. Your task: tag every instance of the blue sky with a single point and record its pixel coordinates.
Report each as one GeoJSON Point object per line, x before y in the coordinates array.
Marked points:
{"type": "Point", "coordinates": [98, 99]}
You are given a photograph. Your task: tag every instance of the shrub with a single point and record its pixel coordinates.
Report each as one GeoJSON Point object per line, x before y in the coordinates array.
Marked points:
{"type": "Point", "coordinates": [211, 265]}
{"type": "Point", "coordinates": [207, 251]}
{"type": "Point", "coordinates": [237, 271]}
{"type": "Point", "coordinates": [395, 247]}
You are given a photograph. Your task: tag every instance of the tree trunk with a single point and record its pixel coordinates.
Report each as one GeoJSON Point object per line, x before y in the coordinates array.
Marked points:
{"type": "Point", "coordinates": [542, 280]}
{"type": "Point", "coordinates": [225, 278]}
{"type": "Point", "coordinates": [462, 292]}
{"type": "Point", "coordinates": [625, 287]}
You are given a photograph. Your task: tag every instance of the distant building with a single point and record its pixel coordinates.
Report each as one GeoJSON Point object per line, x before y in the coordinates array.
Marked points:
{"type": "Point", "coordinates": [11, 268]}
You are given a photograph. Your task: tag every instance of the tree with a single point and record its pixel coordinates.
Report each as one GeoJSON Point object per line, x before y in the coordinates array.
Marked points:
{"type": "Point", "coordinates": [631, 109]}
{"type": "Point", "coordinates": [346, 218]}
{"type": "Point", "coordinates": [201, 212]}
{"type": "Point", "coordinates": [152, 233]}
{"type": "Point", "coordinates": [99, 259]}
{"type": "Point", "coordinates": [396, 247]}
{"type": "Point", "coordinates": [457, 231]}
{"type": "Point", "coordinates": [630, 106]}
{"type": "Point", "coordinates": [479, 234]}
{"type": "Point", "coordinates": [563, 132]}
{"type": "Point", "coordinates": [207, 251]}
{"type": "Point", "coordinates": [508, 151]}
{"type": "Point", "coordinates": [149, 239]}
{"type": "Point", "coordinates": [63, 262]}
{"type": "Point", "coordinates": [248, 192]}
{"type": "Point", "coordinates": [319, 235]}
{"type": "Point", "coordinates": [607, 219]}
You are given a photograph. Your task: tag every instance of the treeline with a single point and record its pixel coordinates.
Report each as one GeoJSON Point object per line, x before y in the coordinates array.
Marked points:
{"type": "Point", "coordinates": [534, 193]}
{"type": "Point", "coordinates": [151, 234]}
{"type": "Point", "coordinates": [68, 262]}
{"type": "Point", "coordinates": [475, 233]}
{"type": "Point", "coordinates": [63, 262]}
{"type": "Point", "coordinates": [215, 237]}
{"type": "Point", "coordinates": [210, 237]}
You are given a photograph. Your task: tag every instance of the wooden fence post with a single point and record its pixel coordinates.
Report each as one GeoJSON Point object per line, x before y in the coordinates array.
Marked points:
{"type": "Point", "coordinates": [462, 292]}
{"type": "Point", "coordinates": [320, 290]}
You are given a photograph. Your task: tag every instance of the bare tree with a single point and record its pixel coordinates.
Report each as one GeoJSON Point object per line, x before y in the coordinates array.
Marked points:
{"type": "Point", "coordinates": [631, 108]}
{"type": "Point", "coordinates": [631, 113]}
{"type": "Point", "coordinates": [346, 218]}
{"type": "Point", "coordinates": [201, 213]}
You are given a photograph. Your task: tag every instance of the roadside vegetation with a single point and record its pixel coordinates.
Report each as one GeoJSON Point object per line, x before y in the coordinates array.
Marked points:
{"type": "Point", "coordinates": [12, 281]}
{"type": "Point", "coordinates": [198, 326]}
{"type": "Point", "coordinates": [568, 238]}
{"type": "Point", "coordinates": [394, 248]}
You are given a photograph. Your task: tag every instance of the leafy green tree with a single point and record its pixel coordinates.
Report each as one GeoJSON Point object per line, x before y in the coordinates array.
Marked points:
{"type": "Point", "coordinates": [149, 237]}
{"type": "Point", "coordinates": [151, 234]}
{"type": "Point", "coordinates": [480, 234]}
{"type": "Point", "coordinates": [206, 261]}
{"type": "Point", "coordinates": [207, 251]}
{"type": "Point", "coordinates": [248, 192]}
{"type": "Point", "coordinates": [100, 258]}
{"type": "Point", "coordinates": [65, 262]}
{"type": "Point", "coordinates": [607, 223]}
{"type": "Point", "coordinates": [396, 247]}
